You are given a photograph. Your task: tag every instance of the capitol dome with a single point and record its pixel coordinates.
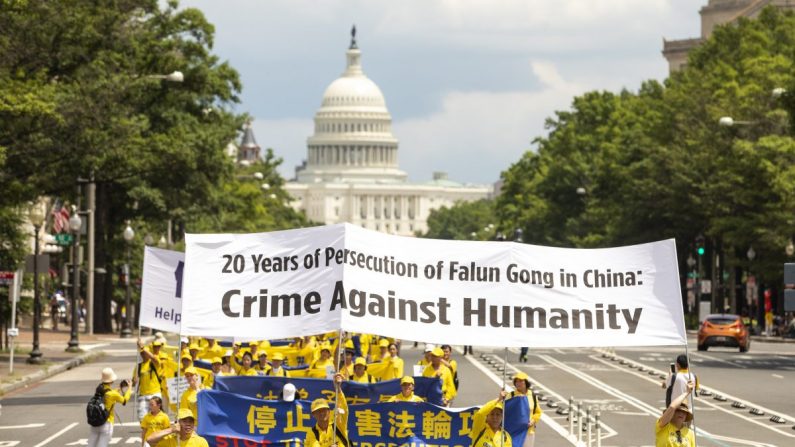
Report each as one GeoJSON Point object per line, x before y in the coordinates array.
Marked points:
{"type": "Point", "coordinates": [352, 139]}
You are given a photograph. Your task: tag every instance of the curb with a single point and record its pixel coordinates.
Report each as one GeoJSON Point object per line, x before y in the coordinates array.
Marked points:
{"type": "Point", "coordinates": [50, 371]}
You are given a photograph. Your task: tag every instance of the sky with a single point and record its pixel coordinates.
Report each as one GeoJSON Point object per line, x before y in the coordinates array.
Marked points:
{"type": "Point", "coordinates": [469, 83]}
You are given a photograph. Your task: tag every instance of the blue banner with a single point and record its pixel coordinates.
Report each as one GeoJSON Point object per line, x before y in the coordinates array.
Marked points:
{"type": "Point", "coordinates": [269, 388]}
{"type": "Point", "coordinates": [230, 420]}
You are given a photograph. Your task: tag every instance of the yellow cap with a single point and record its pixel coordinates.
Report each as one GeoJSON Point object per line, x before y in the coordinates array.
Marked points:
{"type": "Point", "coordinates": [253, 343]}
{"type": "Point", "coordinates": [437, 352]}
{"type": "Point", "coordinates": [319, 404]}
{"type": "Point", "coordinates": [520, 376]}
{"type": "Point", "coordinates": [498, 406]}
{"type": "Point", "coordinates": [325, 347]}
{"type": "Point", "coordinates": [360, 361]}
{"type": "Point", "coordinates": [191, 370]}
{"type": "Point", "coordinates": [157, 343]}
{"type": "Point", "coordinates": [185, 413]}
{"type": "Point", "coordinates": [277, 356]}
{"type": "Point", "coordinates": [349, 344]}
{"type": "Point", "coordinates": [193, 346]}
{"type": "Point", "coordinates": [185, 355]}
{"type": "Point", "coordinates": [383, 343]}
{"type": "Point", "coordinates": [407, 379]}
{"type": "Point", "coordinates": [216, 360]}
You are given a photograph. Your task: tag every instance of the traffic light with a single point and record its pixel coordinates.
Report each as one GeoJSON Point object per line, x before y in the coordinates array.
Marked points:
{"type": "Point", "coordinates": [700, 245]}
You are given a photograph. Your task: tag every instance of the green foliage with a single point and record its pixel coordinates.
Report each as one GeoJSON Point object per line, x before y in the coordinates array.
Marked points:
{"type": "Point", "coordinates": [655, 164]}
{"type": "Point", "coordinates": [462, 221]}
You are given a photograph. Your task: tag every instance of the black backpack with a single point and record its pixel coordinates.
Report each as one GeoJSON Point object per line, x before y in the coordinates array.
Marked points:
{"type": "Point", "coordinates": [96, 413]}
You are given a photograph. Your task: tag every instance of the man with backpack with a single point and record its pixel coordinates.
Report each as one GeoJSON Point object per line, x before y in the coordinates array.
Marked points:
{"type": "Point", "coordinates": [99, 410]}
{"type": "Point", "coordinates": [676, 383]}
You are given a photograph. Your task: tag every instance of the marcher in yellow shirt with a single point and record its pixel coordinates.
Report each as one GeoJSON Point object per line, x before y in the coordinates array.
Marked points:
{"type": "Point", "coordinates": [406, 392]}
{"type": "Point", "coordinates": [487, 428]}
{"type": "Point", "coordinates": [436, 369]}
{"type": "Point", "coordinates": [101, 436]}
{"type": "Point", "coordinates": [187, 437]}
{"type": "Point", "coordinates": [395, 369]}
{"type": "Point", "coordinates": [672, 429]}
{"type": "Point", "coordinates": [522, 384]}
{"type": "Point", "coordinates": [211, 350]}
{"type": "Point", "coordinates": [154, 420]}
{"type": "Point", "coordinates": [277, 366]}
{"type": "Point", "coordinates": [146, 375]}
{"type": "Point", "coordinates": [382, 352]}
{"type": "Point", "coordinates": [322, 433]}
{"type": "Point", "coordinates": [190, 396]}
{"type": "Point", "coordinates": [246, 369]}
{"type": "Point", "coordinates": [325, 358]}
{"type": "Point", "coordinates": [360, 372]}
{"type": "Point", "coordinates": [262, 366]}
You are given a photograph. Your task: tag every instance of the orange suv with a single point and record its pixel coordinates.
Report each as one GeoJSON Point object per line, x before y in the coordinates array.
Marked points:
{"type": "Point", "coordinates": [723, 330]}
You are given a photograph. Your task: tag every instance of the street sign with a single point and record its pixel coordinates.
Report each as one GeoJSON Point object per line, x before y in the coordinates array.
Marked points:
{"type": "Point", "coordinates": [6, 278]}
{"type": "Point", "coordinates": [43, 263]}
{"type": "Point", "coordinates": [63, 239]}
{"type": "Point", "coordinates": [706, 286]}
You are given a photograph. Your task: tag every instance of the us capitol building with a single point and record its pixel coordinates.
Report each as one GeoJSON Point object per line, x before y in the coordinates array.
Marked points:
{"type": "Point", "coordinates": [351, 171]}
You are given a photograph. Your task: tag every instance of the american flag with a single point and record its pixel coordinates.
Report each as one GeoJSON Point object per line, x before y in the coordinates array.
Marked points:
{"type": "Point", "coordinates": [60, 217]}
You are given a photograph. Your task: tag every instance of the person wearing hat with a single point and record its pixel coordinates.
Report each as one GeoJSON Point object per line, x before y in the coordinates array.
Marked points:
{"type": "Point", "coordinates": [360, 372]}
{"type": "Point", "coordinates": [215, 370]}
{"type": "Point", "coordinates": [383, 351]}
{"type": "Point", "coordinates": [672, 429]}
{"type": "Point", "coordinates": [154, 420]}
{"type": "Point", "coordinates": [521, 383]}
{"type": "Point", "coordinates": [487, 428]}
{"type": "Point", "coordinates": [101, 436]}
{"type": "Point", "coordinates": [325, 358]}
{"type": "Point", "coordinates": [350, 353]}
{"type": "Point", "coordinates": [436, 369]}
{"type": "Point", "coordinates": [190, 396]}
{"type": "Point", "coordinates": [406, 392]}
{"type": "Point", "coordinates": [323, 433]}
{"type": "Point", "coordinates": [147, 375]}
{"type": "Point", "coordinates": [184, 430]}
{"type": "Point", "coordinates": [262, 365]}
{"type": "Point", "coordinates": [277, 366]}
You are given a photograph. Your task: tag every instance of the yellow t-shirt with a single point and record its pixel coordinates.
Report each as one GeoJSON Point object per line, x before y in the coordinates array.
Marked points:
{"type": "Point", "coordinates": [401, 398]}
{"type": "Point", "coordinates": [152, 423]}
{"type": "Point", "coordinates": [194, 441]}
{"type": "Point", "coordinates": [148, 375]}
{"type": "Point", "coordinates": [112, 397]}
{"type": "Point", "coordinates": [448, 388]}
{"type": "Point", "coordinates": [482, 435]}
{"type": "Point", "coordinates": [325, 438]}
{"type": "Point", "coordinates": [667, 437]}
{"type": "Point", "coordinates": [190, 399]}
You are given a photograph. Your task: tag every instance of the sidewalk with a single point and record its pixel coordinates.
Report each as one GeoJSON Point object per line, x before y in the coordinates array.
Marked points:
{"type": "Point", "coordinates": [55, 358]}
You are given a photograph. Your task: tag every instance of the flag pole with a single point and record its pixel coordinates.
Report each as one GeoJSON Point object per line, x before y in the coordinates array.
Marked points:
{"type": "Point", "coordinates": [504, 369]}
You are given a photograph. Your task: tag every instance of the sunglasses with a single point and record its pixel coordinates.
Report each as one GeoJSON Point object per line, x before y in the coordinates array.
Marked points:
{"type": "Point", "coordinates": [679, 436]}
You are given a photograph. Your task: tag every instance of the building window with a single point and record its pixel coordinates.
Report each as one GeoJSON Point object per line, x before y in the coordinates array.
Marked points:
{"type": "Point", "coordinates": [336, 211]}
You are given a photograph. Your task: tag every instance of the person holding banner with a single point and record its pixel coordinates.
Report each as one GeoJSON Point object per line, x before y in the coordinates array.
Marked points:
{"type": "Point", "coordinates": [187, 437]}
{"type": "Point", "coordinates": [406, 392]}
{"type": "Point", "coordinates": [146, 376]}
{"type": "Point", "coordinates": [326, 433]}
{"type": "Point", "coordinates": [246, 369]}
{"type": "Point", "coordinates": [394, 369]}
{"type": "Point", "coordinates": [487, 428]}
{"type": "Point", "coordinates": [189, 397]}
{"type": "Point", "coordinates": [360, 372]}
{"type": "Point", "coordinates": [209, 381]}
{"type": "Point", "coordinates": [436, 369]}
{"type": "Point", "coordinates": [672, 429]}
{"type": "Point", "coordinates": [521, 383]}
{"type": "Point", "coordinates": [277, 366]}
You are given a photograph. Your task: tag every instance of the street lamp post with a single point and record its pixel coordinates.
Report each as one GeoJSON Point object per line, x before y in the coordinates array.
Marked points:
{"type": "Point", "coordinates": [126, 331]}
{"type": "Point", "coordinates": [75, 224]}
{"type": "Point", "coordinates": [37, 219]}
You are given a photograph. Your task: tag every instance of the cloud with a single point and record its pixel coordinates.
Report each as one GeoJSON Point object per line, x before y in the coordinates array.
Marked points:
{"type": "Point", "coordinates": [478, 134]}
{"type": "Point", "coordinates": [287, 137]}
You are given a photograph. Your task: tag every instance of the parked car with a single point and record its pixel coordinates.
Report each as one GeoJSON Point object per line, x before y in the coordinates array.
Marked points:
{"type": "Point", "coordinates": [723, 330]}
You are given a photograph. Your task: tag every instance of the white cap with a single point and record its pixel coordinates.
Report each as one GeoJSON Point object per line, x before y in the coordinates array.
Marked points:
{"type": "Point", "coordinates": [288, 392]}
{"type": "Point", "coordinates": [184, 340]}
{"type": "Point", "coordinates": [429, 347]}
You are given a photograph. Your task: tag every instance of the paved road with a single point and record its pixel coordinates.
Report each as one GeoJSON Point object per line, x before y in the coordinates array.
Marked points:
{"type": "Point", "coordinates": [617, 383]}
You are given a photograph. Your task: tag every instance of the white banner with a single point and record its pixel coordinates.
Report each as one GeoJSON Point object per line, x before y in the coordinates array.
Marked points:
{"type": "Point", "coordinates": [300, 282]}
{"type": "Point", "coordinates": [161, 289]}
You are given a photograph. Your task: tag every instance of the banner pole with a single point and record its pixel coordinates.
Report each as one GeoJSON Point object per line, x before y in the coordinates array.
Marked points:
{"type": "Point", "coordinates": [139, 360]}
{"type": "Point", "coordinates": [695, 391]}
{"type": "Point", "coordinates": [340, 348]}
{"type": "Point", "coordinates": [504, 370]}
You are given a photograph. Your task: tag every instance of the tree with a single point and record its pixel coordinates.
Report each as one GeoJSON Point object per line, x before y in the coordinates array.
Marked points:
{"type": "Point", "coordinates": [462, 221]}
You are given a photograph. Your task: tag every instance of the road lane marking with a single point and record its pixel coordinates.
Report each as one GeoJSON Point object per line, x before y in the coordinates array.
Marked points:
{"type": "Point", "coordinates": [708, 403]}
{"type": "Point", "coordinates": [68, 427]}
{"type": "Point", "coordinates": [562, 431]}
{"type": "Point", "coordinates": [777, 376]}
{"type": "Point", "coordinates": [717, 359]}
{"type": "Point", "coordinates": [13, 427]}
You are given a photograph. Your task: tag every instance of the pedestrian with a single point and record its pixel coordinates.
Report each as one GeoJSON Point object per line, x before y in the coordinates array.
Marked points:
{"type": "Point", "coordinates": [672, 429]}
{"type": "Point", "coordinates": [101, 436]}
{"type": "Point", "coordinates": [521, 383]}
{"type": "Point", "coordinates": [523, 354]}
{"type": "Point", "coordinates": [185, 431]}
{"type": "Point", "coordinates": [323, 433]}
{"type": "Point", "coordinates": [147, 375]}
{"type": "Point", "coordinates": [406, 392]}
{"type": "Point", "coordinates": [468, 350]}
{"type": "Point", "coordinates": [676, 382]}
{"type": "Point", "coordinates": [154, 420]}
{"type": "Point", "coordinates": [54, 310]}
{"type": "Point", "coordinates": [487, 430]}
